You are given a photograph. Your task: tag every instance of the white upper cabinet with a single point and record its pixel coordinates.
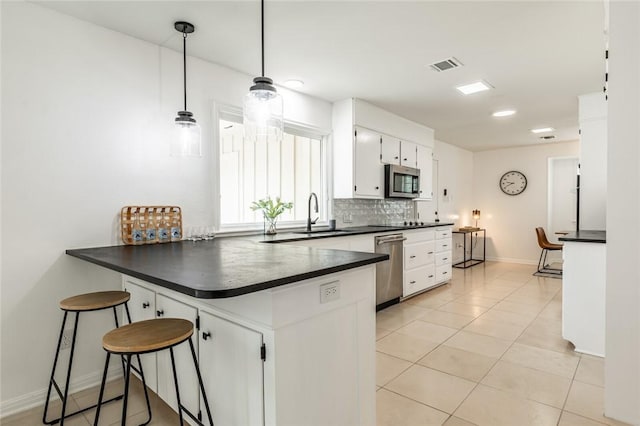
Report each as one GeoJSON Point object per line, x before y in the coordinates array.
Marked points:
{"type": "Point", "coordinates": [424, 162]}
{"type": "Point", "coordinates": [358, 170]}
{"type": "Point", "coordinates": [408, 157]}
{"type": "Point", "coordinates": [369, 172]}
{"type": "Point", "coordinates": [390, 150]}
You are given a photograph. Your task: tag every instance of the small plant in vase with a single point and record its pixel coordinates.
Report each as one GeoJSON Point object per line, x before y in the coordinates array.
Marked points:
{"type": "Point", "coordinates": [271, 210]}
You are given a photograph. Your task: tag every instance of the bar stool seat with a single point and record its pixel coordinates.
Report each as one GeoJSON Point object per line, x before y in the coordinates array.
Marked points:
{"type": "Point", "coordinates": [94, 301]}
{"type": "Point", "coordinates": [151, 336]}
{"type": "Point", "coordinates": [79, 304]}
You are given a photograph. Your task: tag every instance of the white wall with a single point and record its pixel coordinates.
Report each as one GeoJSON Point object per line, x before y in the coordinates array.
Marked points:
{"type": "Point", "coordinates": [511, 220]}
{"type": "Point", "coordinates": [86, 114]}
{"type": "Point", "coordinates": [455, 173]}
{"type": "Point", "coordinates": [622, 365]}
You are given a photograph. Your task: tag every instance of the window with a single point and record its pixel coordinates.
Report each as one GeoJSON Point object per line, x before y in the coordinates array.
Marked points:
{"type": "Point", "coordinates": [290, 169]}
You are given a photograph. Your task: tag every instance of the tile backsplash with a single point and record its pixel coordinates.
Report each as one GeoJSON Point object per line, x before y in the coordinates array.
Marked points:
{"type": "Point", "coordinates": [354, 212]}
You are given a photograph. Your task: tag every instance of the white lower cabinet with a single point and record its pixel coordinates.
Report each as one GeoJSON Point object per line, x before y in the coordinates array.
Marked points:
{"type": "Point", "coordinates": [444, 243]}
{"type": "Point", "coordinates": [232, 371]}
{"type": "Point", "coordinates": [427, 259]}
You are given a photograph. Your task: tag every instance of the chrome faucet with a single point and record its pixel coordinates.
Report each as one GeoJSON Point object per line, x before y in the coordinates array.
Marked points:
{"type": "Point", "coordinates": [309, 221]}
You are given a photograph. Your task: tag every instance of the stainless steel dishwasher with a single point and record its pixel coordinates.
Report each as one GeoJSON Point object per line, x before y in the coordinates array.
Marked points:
{"type": "Point", "coordinates": [389, 274]}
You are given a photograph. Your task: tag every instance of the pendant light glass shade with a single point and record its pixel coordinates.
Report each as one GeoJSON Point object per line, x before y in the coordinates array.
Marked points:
{"type": "Point", "coordinates": [186, 138]}
{"type": "Point", "coordinates": [262, 111]}
{"type": "Point", "coordinates": [262, 107]}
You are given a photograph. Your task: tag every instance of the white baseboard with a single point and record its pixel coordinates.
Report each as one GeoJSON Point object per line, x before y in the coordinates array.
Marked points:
{"type": "Point", "coordinates": [37, 398]}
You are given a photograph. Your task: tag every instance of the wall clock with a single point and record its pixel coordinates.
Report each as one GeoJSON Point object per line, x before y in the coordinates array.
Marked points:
{"type": "Point", "coordinates": [513, 183]}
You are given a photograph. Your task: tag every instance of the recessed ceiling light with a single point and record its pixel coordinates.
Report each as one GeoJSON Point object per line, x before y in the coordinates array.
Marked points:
{"type": "Point", "coordinates": [547, 137]}
{"type": "Point", "coordinates": [294, 84]}
{"type": "Point", "coordinates": [478, 86]}
{"type": "Point", "coordinates": [504, 113]}
{"type": "Point", "coordinates": [542, 130]}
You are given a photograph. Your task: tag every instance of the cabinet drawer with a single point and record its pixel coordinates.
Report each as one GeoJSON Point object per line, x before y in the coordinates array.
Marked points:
{"type": "Point", "coordinates": [443, 258]}
{"type": "Point", "coordinates": [419, 236]}
{"type": "Point", "coordinates": [443, 233]}
{"type": "Point", "coordinates": [418, 279]}
{"type": "Point", "coordinates": [443, 273]}
{"type": "Point", "coordinates": [443, 245]}
{"type": "Point", "coordinates": [416, 255]}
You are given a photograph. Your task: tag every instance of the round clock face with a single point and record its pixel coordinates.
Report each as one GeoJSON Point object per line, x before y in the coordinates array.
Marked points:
{"type": "Point", "coordinates": [513, 183]}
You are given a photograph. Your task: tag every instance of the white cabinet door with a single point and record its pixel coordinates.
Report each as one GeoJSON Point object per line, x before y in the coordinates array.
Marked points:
{"type": "Point", "coordinates": [142, 306]}
{"type": "Point", "coordinates": [369, 172]}
{"type": "Point", "coordinates": [167, 307]}
{"type": "Point", "coordinates": [232, 371]}
{"type": "Point", "coordinates": [390, 150]}
{"type": "Point", "coordinates": [409, 154]}
{"type": "Point", "coordinates": [424, 161]}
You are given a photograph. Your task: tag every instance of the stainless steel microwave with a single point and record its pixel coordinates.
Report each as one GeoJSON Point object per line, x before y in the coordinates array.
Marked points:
{"type": "Point", "coordinates": [401, 182]}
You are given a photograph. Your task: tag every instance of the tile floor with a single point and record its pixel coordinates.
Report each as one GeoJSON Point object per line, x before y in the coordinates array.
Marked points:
{"type": "Point", "coordinates": [484, 349]}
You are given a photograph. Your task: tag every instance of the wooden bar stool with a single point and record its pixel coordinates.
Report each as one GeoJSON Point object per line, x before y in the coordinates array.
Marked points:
{"type": "Point", "coordinates": [145, 337]}
{"type": "Point", "coordinates": [82, 303]}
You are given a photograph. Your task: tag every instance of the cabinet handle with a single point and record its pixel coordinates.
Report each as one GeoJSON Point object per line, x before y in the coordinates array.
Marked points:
{"type": "Point", "coordinates": [395, 158]}
{"type": "Point", "coordinates": [430, 252]}
{"type": "Point", "coordinates": [412, 257]}
{"type": "Point", "coordinates": [160, 313]}
{"type": "Point", "coordinates": [430, 276]}
{"type": "Point", "coordinates": [444, 245]}
{"type": "Point", "coordinates": [377, 187]}
{"type": "Point", "coordinates": [404, 159]}
{"type": "Point", "coordinates": [205, 335]}
{"type": "Point", "coordinates": [444, 273]}
{"type": "Point", "coordinates": [444, 258]}
{"type": "Point", "coordinates": [412, 282]}
{"type": "Point", "coordinates": [145, 305]}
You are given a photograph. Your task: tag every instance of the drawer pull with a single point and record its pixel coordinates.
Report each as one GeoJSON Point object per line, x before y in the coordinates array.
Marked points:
{"type": "Point", "coordinates": [145, 305]}
{"type": "Point", "coordinates": [205, 335]}
{"type": "Point", "coordinates": [430, 276]}
{"type": "Point", "coordinates": [444, 258]}
{"type": "Point", "coordinates": [444, 245]}
{"type": "Point", "coordinates": [430, 252]}
{"type": "Point", "coordinates": [412, 282]}
{"type": "Point", "coordinates": [444, 273]}
{"type": "Point", "coordinates": [160, 313]}
{"type": "Point", "coordinates": [412, 257]}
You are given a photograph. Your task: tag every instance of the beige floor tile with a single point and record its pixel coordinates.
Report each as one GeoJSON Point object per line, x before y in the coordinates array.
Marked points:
{"type": "Point", "coordinates": [492, 407]}
{"type": "Point", "coordinates": [522, 319]}
{"type": "Point", "coordinates": [498, 329]}
{"type": "Point", "coordinates": [499, 282]}
{"type": "Point", "coordinates": [497, 293]}
{"type": "Point", "coordinates": [469, 299]}
{"type": "Point", "coordinates": [428, 301]}
{"type": "Point", "coordinates": [546, 326]}
{"type": "Point", "coordinates": [381, 332]}
{"type": "Point", "coordinates": [388, 368]}
{"type": "Point", "coordinates": [570, 419]}
{"type": "Point", "coordinates": [434, 388]}
{"type": "Point", "coordinates": [536, 302]}
{"type": "Point", "coordinates": [545, 340]}
{"type": "Point", "coordinates": [463, 309]}
{"type": "Point", "coordinates": [561, 364]}
{"type": "Point", "coordinates": [394, 410]}
{"type": "Point", "coordinates": [447, 319]}
{"type": "Point", "coordinates": [468, 365]}
{"type": "Point", "coordinates": [588, 401]}
{"type": "Point", "coordinates": [477, 343]}
{"type": "Point", "coordinates": [398, 315]}
{"type": "Point", "coordinates": [34, 415]}
{"type": "Point", "coordinates": [590, 370]}
{"type": "Point", "coordinates": [518, 276]}
{"type": "Point", "coordinates": [518, 308]}
{"type": "Point", "coordinates": [405, 347]}
{"type": "Point", "coordinates": [427, 331]}
{"type": "Point", "coordinates": [528, 383]}
{"type": "Point", "coordinates": [456, 421]}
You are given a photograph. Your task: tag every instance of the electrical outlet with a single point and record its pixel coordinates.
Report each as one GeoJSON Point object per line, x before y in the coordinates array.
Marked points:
{"type": "Point", "coordinates": [67, 336]}
{"type": "Point", "coordinates": [329, 292]}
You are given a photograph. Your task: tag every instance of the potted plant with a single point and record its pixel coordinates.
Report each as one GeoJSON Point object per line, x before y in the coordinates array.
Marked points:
{"type": "Point", "coordinates": [271, 210]}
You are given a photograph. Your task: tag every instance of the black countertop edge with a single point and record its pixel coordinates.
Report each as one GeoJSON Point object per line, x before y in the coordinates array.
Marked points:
{"type": "Point", "coordinates": [231, 292]}
{"type": "Point", "coordinates": [586, 236]}
{"type": "Point", "coordinates": [291, 235]}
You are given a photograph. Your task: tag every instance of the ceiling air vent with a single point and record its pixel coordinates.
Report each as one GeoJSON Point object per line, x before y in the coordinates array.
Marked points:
{"type": "Point", "coordinates": [447, 64]}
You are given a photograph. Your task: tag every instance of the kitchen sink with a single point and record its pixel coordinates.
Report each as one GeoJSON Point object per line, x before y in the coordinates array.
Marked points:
{"type": "Point", "coordinates": [324, 231]}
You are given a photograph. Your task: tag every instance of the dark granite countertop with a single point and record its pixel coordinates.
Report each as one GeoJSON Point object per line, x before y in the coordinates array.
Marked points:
{"type": "Point", "coordinates": [585, 236]}
{"type": "Point", "coordinates": [223, 267]}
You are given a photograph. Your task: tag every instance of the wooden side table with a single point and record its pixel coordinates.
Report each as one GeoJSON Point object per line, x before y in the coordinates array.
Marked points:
{"type": "Point", "coordinates": [471, 261]}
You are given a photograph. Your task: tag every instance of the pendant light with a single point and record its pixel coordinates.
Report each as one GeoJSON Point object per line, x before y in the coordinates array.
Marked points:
{"type": "Point", "coordinates": [262, 107]}
{"type": "Point", "coordinates": [186, 138]}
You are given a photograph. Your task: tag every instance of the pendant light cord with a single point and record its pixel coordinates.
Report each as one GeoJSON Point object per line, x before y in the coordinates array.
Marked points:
{"type": "Point", "coordinates": [184, 67]}
{"type": "Point", "coordinates": [262, 31]}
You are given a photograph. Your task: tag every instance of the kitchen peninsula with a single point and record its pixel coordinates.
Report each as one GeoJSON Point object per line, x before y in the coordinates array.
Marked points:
{"type": "Point", "coordinates": [286, 334]}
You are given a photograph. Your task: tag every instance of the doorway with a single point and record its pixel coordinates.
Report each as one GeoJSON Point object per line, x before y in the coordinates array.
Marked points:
{"type": "Point", "coordinates": [561, 196]}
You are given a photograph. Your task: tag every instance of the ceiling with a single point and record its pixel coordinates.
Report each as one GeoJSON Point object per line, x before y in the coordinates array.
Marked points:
{"type": "Point", "coordinates": [539, 56]}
